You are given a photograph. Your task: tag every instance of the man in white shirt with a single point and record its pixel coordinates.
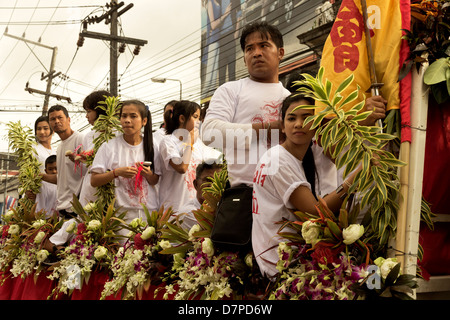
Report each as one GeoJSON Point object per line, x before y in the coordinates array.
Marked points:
{"type": "Point", "coordinates": [243, 114]}
{"type": "Point", "coordinates": [69, 176]}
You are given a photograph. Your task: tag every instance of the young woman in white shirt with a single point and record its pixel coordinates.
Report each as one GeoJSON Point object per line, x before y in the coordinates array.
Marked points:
{"type": "Point", "coordinates": [178, 157]}
{"type": "Point", "coordinates": [129, 160]}
{"type": "Point", "coordinates": [44, 135]}
{"type": "Point", "coordinates": [289, 177]}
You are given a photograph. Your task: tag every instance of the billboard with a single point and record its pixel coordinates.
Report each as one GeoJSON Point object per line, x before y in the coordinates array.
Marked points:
{"type": "Point", "coordinates": [222, 23]}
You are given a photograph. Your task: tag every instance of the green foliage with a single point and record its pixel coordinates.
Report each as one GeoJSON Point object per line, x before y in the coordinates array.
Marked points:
{"type": "Point", "coordinates": [429, 42]}
{"type": "Point", "coordinates": [352, 145]}
{"type": "Point", "coordinates": [21, 140]}
{"type": "Point", "coordinates": [107, 126]}
{"type": "Point", "coordinates": [111, 219]}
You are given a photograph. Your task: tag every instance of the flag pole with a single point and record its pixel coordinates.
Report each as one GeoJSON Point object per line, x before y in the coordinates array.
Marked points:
{"type": "Point", "coordinates": [375, 85]}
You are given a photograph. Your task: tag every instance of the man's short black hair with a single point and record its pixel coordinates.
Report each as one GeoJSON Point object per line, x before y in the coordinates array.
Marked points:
{"type": "Point", "coordinates": [58, 107]}
{"type": "Point", "coordinates": [267, 31]}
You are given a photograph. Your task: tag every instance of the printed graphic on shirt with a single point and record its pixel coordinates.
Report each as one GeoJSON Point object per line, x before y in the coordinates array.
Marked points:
{"type": "Point", "coordinates": [135, 190]}
{"type": "Point", "coordinates": [269, 112]}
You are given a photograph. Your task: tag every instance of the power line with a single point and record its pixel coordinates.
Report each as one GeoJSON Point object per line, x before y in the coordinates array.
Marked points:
{"type": "Point", "coordinates": [243, 72]}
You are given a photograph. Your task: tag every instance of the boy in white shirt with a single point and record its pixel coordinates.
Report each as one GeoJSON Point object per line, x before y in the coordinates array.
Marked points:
{"type": "Point", "coordinates": [46, 199]}
{"type": "Point", "coordinates": [204, 171]}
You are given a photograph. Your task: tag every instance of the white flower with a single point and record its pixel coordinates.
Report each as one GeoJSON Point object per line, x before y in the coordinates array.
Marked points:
{"type": "Point", "coordinates": [68, 152]}
{"type": "Point", "coordinates": [8, 215]}
{"type": "Point", "coordinates": [164, 244]}
{"type": "Point", "coordinates": [310, 232]}
{"type": "Point", "coordinates": [39, 237]}
{"type": "Point", "coordinates": [352, 233]}
{"type": "Point", "coordinates": [178, 259]}
{"type": "Point", "coordinates": [94, 225]}
{"type": "Point", "coordinates": [148, 233]}
{"type": "Point", "coordinates": [38, 223]}
{"type": "Point", "coordinates": [385, 265]}
{"type": "Point", "coordinates": [208, 247]}
{"type": "Point", "coordinates": [71, 227]}
{"type": "Point", "coordinates": [193, 229]}
{"type": "Point", "coordinates": [100, 252]}
{"type": "Point", "coordinates": [89, 207]}
{"type": "Point", "coordinates": [42, 255]}
{"type": "Point", "coordinates": [14, 229]}
{"type": "Point", "coordinates": [137, 222]}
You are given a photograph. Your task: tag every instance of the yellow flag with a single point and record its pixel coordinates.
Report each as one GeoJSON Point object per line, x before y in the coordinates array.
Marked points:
{"type": "Point", "coordinates": [345, 50]}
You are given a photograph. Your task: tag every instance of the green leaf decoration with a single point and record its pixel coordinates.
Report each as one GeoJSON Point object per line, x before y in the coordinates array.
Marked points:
{"type": "Point", "coordinates": [22, 142]}
{"type": "Point", "coordinates": [353, 145]}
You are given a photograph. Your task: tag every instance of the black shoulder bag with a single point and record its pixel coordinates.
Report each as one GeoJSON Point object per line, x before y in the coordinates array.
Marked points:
{"type": "Point", "coordinates": [232, 229]}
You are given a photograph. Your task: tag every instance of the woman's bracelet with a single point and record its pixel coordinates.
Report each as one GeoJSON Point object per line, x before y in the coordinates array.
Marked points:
{"type": "Point", "coordinates": [114, 173]}
{"type": "Point", "coordinates": [341, 188]}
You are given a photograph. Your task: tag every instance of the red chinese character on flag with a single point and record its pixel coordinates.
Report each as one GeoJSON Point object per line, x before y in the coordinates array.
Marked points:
{"type": "Point", "coordinates": [346, 32]}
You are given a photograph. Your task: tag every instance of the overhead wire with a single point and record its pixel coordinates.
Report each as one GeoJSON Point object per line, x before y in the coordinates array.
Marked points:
{"type": "Point", "coordinates": [176, 67]}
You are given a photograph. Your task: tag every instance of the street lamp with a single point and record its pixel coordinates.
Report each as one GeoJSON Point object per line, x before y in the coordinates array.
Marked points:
{"type": "Point", "coordinates": [163, 80]}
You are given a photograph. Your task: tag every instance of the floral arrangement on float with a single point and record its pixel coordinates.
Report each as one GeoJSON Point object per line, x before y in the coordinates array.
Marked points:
{"type": "Point", "coordinates": [23, 235]}
{"type": "Point", "coordinates": [94, 242]}
{"type": "Point", "coordinates": [139, 264]}
{"type": "Point", "coordinates": [32, 255]}
{"type": "Point", "coordinates": [202, 272]}
{"type": "Point", "coordinates": [328, 256]}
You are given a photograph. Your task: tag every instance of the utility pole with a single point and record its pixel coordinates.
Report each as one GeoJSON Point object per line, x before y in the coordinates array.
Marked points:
{"type": "Point", "coordinates": [110, 17]}
{"type": "Point", "coordinates": [51, 74]}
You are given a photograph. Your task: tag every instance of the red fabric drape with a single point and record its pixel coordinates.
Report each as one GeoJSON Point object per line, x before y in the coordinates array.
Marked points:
{"type": "Point", "coordinates": [436, 189]}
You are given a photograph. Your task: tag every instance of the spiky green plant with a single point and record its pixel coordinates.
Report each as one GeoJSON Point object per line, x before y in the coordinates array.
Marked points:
{"type": "Point", "coordinates": [352, 145]}
{"type": "Point", "coordinates": [107, 126]}
{"type": "Point", "coordinates": [22, 142]}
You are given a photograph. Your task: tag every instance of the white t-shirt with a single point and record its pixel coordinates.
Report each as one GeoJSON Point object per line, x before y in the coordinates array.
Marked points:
{"type": "Point", "coordinates": [158, 135]}
{"type": "Point", "coordinates": [42, 153]}
{"type": "Point", "coordinates": [117, 153]}
{"type": "Point", "coordinates": [277, 175]}
{"type": "Point", "coordinates": [69, 176]}
{"type": "Point", "coordinates": [186, 213]}
{"type": "Point", "coordinates": [87, 191]}
{"type": "Point", "coordinates": [240, 104]}
{"type": "Point", "coordinates": [176, 189]}
{"type": "Point", "coordinates": [46, 198]}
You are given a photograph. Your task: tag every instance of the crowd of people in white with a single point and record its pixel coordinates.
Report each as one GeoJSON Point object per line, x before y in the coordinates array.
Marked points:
{"type": "Point", "coordinates": [250, 123]}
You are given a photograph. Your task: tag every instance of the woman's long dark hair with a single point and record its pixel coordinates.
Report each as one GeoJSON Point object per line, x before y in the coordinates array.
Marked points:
{"type": "Point", "coordinates": [172, 117]}
{"type": "Point", "coordinates": [149, 152]}
{"type": "Point", "coordinates": [308, 160]}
